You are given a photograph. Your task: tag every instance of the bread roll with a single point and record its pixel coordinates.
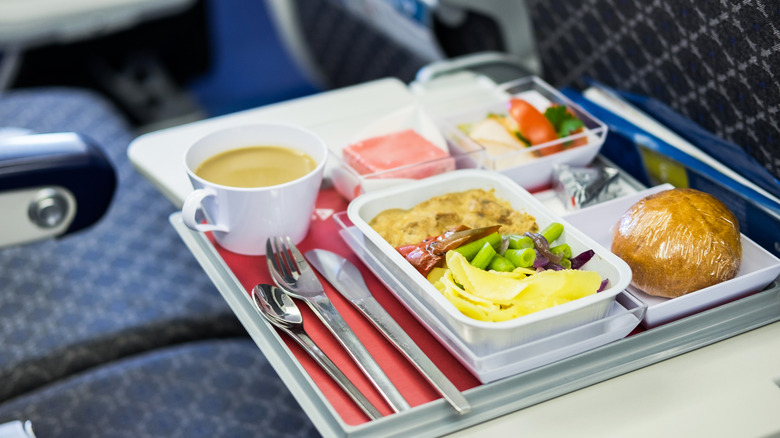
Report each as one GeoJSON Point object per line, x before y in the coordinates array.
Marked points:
{"type": "Point", "coordinates": [678, 241]}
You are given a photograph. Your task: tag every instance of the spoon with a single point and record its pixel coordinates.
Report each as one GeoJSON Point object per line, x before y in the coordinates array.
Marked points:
{"type": "Point", "coordinates": [281, 311]}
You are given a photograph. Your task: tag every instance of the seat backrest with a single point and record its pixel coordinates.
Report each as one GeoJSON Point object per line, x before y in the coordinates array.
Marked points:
{"type": "Point", "coordinates": [714, 62]}
{"type": "Point", "coordinates": [344, 43]}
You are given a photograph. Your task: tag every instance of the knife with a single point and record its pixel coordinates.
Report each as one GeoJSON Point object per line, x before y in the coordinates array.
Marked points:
{"type": "Point", "coordinates": [348, 280]}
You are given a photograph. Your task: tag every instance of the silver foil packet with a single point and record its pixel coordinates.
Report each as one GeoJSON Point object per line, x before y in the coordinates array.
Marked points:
{"type": "Point", "coordinates": [578, 187]}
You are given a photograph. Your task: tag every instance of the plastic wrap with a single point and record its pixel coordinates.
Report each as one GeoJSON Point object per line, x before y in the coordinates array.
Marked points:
{"type": "Point", "coordinates": [630, 140]}
{"type": "Point", "coordinates": [678, 241]}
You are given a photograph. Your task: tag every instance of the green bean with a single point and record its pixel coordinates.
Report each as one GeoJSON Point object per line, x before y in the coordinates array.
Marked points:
{"type": "Point", "coordinates": [563, 250]}
{"type": "Point", "coordinates": [521, 258]}
{"type": "Point", "coordinates": [501, 264]}
{"type": "Point", "coordinates": [484, 256]}
{"type": "Point", "coordinates": [471, 249]}
{"type": "Point", "coordinates": [520, 242]}
{"type": "Point", "coordinates": [552, 232]}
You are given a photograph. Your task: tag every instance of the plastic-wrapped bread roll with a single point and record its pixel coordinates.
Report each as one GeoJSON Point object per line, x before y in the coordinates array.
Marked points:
{"type": "Point", "coordinates": [678, 241]}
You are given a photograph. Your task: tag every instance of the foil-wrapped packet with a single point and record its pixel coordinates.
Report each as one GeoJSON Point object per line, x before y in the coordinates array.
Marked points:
{"type": "Point", "coordinates": [578, 187]}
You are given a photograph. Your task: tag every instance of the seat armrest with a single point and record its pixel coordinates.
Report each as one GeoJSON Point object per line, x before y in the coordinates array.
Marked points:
{"type": "Point", "coordinates": [16, 429]}
{"type": "Point", "coordinates": [51, 185]}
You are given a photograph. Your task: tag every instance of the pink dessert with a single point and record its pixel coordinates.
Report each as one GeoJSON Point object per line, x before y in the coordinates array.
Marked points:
{"type": "Point", "coordinates": [402, 150]}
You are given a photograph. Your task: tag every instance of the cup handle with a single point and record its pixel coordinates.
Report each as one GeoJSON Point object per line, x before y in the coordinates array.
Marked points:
{"type": "Point", "coordinates": [190, 209]}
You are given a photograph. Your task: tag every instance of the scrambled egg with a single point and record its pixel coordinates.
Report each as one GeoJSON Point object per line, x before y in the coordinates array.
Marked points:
{"type": "Point", "coordinates": [474, 208]}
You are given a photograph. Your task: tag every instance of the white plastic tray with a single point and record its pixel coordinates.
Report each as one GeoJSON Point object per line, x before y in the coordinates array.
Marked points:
{"type": "Point", "coordinates": [486, 338]}
{"type": "Point", "coordinates": [759, 267]}
{"type": "Point", "coordinates": [622, 317]}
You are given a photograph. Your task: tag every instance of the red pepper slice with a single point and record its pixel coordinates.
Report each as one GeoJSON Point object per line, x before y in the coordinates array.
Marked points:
{"type": "Point", "coordinates": [429, 253]}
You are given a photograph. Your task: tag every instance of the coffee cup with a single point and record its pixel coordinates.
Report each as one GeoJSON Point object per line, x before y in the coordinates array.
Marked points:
{"type": "Point", "coordinates": [252, 182]}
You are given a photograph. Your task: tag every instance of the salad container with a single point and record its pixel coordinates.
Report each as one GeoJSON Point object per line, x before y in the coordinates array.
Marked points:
{"type": "Point", "coordinates": [531, 167]}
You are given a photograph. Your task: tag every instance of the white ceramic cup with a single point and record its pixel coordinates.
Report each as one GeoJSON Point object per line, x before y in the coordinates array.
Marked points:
{"type": "Point", "coordinates": [242, 219]}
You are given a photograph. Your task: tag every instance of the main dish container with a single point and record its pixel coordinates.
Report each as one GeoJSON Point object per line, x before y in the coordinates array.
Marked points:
{"type": "Point", "coordinates": [531, 167]}
{"type": "Point", "coordinates": [486, 338]}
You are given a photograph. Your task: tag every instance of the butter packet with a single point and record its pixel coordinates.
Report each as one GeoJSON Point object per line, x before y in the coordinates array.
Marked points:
{"type": "Point", "coordinates": [579, 187]}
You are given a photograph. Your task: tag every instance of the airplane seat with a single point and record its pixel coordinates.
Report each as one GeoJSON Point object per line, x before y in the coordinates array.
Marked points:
{"type": "Point", "coordinates": [134, 52]}
{"type": "Point", "coordinates": [122, 286]}
{"type": "Point", "coordinates": [340, 43]}
{"type": "Point", "coordinates": [712, 63]}
{"type": "Point", "coordinates": [335, 48]}
{"type": "Point", "coordinates": [207, 388]}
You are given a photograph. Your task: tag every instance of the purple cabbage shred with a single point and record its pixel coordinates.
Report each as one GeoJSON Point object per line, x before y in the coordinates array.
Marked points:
{"type": "Point", "coordinates": [543, 247]}
{"type": "Point", "coordinates": [540, 261]}
{"type": "Point", "coordinates": [578, 261]}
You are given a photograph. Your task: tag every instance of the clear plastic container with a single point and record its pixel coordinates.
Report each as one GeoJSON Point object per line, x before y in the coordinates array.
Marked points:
{"type": "Point", "coordinates": [531, 167]}
{"type": "Point", "coordinates": [460, 155]}
{"type": "Point", "coordinates": [472, 339]}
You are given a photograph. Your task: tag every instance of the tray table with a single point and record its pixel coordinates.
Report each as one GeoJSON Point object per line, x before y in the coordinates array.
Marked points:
{"type": "Point", "coordinates": [721, 387]}
{"type": "Point", "coordinates": [431, 416]}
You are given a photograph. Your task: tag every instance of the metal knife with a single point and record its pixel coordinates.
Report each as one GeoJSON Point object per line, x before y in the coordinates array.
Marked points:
{"type": "Point", "coordinates": [348, 280]}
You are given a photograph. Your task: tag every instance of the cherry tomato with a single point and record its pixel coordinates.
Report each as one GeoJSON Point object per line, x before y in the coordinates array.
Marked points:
{"type": "Point", "coordinates": [534, 125]}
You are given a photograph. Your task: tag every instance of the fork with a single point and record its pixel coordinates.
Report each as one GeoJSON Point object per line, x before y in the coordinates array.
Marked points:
{"type": "Point", "coordinates": [292, 273]}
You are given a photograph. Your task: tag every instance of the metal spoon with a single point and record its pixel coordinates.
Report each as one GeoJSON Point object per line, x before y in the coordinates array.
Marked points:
{"type": "Point", "coordinates": [281, 311]}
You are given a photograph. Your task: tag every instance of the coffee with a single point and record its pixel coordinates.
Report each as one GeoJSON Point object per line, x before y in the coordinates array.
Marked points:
{"type": "Point", "coordinates": [256, 166]}
{"type": "Point", "coordinates": [252, 182]}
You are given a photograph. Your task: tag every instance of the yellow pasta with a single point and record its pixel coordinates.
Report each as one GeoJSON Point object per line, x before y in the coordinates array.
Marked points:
{"type": "Point", "coordinates": [500, 296]}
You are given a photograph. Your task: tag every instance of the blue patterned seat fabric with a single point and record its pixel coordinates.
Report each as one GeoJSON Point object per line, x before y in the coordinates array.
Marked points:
{"type": "Point", "coordinates": [216, 388]}
{"type": "Point", "coordinates": [713, 62]}
{"type": "Point", "coordinates": [124, 286]}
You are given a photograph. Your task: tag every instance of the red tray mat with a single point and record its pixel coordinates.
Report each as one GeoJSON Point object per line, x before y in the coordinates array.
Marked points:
{"type": "Point", "coordinates": [324, 233]}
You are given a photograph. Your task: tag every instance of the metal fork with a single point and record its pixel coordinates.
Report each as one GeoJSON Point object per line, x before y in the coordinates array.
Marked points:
{"type": "Point", "coordinates": [292, 273]}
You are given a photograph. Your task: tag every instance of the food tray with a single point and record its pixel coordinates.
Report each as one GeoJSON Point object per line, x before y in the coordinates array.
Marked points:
{"type": "Point", "coordinates": [334, 114]}
{"type": "Point", "coordinates": [497, 398]}
{"type": "Point", "coordinates": [479, 337]}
